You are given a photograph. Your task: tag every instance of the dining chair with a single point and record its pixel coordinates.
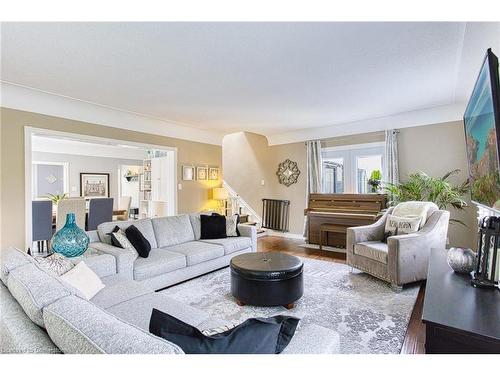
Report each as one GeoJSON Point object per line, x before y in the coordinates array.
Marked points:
{"type": "Point", "coordinates": [100, 211]}
{"type": "Point", "coordinates": [41, 223]}
{"type": "Point", "coordinates": [73, 205]}
{"type": "Point", "coordinates": [124, 204]}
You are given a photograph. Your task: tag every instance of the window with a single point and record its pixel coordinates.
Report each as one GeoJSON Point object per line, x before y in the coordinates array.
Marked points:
{"type": "Point", "coordinates": [347, 169]}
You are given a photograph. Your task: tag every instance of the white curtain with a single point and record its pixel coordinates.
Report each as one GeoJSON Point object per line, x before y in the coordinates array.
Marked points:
{"type": "Point", "coordinates": [314, 172]}
{"type": "Point", "coordinates": [391, 171]}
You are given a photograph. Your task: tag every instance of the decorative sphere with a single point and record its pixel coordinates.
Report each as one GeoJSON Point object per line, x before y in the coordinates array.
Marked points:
{"type": "Point", "coordinates": [461, 260]}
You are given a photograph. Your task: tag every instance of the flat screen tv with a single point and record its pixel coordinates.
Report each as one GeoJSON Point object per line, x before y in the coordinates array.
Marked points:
{"type": "Point", "coordinates": [482, 132]}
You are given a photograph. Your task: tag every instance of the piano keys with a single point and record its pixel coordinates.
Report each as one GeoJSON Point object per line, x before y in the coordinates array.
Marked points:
{"type": "Point", "coordinates": [340, 211]}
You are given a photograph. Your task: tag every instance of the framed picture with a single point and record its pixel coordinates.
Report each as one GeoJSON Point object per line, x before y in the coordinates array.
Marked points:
{"type": "Point", "coordinates": [201, 173]}
{"type": "Point", "coordinates": [94, 185]}
{"type": "Point", "coordinates": [188, 173]}
{"type": "Point", "coordinates": [213, 173]}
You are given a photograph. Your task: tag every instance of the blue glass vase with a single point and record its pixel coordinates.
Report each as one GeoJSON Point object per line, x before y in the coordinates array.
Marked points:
{"type": "Point", "coordinates": [70, 240]}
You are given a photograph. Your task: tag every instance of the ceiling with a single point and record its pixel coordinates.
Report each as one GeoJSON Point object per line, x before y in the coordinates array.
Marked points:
{"type": "Point", "coordinates": [267, 78]}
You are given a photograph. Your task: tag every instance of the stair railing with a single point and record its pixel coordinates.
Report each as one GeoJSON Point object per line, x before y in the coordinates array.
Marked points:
{"type": "Point", "coordinates": [235, 197]}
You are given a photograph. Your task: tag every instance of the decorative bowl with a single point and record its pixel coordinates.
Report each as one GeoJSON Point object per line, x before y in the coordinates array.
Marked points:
{"type": "Point", "coordinates": [461, 260]}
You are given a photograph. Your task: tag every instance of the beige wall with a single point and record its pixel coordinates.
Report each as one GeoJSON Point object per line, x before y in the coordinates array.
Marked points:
{"type": "Point", "coordinates": [247, 159]}
{"type": "Point", "coordinates": [194, 195]}
{"type": "Point", "coordinates": [434, 149]}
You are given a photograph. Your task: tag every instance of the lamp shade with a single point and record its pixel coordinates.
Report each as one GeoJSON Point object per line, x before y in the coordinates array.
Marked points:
{"type": "Point", "coordinates": [219, 194]}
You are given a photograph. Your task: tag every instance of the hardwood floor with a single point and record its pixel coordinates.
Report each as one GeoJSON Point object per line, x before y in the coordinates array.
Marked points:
{"type": "Point", "coordinates": [415, 334]}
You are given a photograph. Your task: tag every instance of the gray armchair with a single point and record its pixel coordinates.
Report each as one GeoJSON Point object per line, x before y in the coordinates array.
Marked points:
{"type": "Point", "coordinates": [404, 258]}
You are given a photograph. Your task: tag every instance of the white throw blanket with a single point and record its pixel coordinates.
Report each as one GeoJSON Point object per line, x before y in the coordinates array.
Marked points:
{"type": "Point", "coordinates": [414, 208]}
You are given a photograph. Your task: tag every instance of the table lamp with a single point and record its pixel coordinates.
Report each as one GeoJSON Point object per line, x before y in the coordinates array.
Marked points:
{"type": "Point", "coordinates": [220, 194]}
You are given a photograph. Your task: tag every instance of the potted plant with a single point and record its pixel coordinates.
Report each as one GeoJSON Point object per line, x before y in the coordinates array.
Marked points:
{"type": "Point", "coordinates": [56, 198]}
{"type": "Point", "coordinates": [131, 176]}
{"type": "Point", "coordinates": [422, 187]}
{"type": "Point", "coordinates": [375, 180]}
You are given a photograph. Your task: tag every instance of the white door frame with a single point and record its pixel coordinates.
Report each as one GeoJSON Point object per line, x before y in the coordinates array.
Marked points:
{"type": "Point", "coordinates": [29, 131]}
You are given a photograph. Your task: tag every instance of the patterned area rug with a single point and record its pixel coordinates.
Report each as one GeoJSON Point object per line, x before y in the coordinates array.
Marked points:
{"type": "Point", "coordinates": [368, 315]}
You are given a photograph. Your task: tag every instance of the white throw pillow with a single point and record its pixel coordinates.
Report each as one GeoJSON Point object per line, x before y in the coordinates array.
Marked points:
{"type": "Point", "coordinates": [82, 278]}
{"type": "Point", "coordinates": [395, 225]}
{"type": "Point", "coordinates": [232, 225]}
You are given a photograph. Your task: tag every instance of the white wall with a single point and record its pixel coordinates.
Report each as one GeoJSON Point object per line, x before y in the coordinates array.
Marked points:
{"type": "Point", "coordinates": [91, 164]}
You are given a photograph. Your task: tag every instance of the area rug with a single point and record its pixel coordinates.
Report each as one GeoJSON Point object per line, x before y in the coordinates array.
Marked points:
{"type": "Point", "coordinates": [368, 315]}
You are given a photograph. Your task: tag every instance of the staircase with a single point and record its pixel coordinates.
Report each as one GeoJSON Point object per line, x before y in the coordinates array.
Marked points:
{"type": "Point", "coordinates": [237, 205]}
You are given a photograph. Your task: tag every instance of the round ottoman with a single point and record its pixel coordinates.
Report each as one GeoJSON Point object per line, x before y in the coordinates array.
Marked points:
{"type": "Point", "coordinates": [266, 279]}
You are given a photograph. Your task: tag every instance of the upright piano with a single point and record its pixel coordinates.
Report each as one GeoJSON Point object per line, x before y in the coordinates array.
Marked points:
{"type": "Point", "coordinates": [341, 211]}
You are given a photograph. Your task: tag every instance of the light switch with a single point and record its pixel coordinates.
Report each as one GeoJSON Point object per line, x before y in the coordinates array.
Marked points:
{"type": "Point", "coordinates": [179, 186]}
{"type": "Point", "coordinates": [262, 183]}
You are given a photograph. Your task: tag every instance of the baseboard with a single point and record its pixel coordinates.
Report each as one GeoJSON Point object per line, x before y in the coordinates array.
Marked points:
{"type": "Point", "coordinates": [275, 233]}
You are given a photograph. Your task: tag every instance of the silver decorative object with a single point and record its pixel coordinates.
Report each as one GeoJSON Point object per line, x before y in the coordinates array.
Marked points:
{"type": "Point", "coordinates": [288, 172]}
{"type": "Point", "coordinates": [461, 260]}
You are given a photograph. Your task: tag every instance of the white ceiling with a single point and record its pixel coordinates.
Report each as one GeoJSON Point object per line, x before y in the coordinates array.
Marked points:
{"type": "Point", "coordinates": [268, 78]}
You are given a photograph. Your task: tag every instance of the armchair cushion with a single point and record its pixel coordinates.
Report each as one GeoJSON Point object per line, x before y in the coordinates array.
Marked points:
{"type": "Point", "coordinates": [374, 250]}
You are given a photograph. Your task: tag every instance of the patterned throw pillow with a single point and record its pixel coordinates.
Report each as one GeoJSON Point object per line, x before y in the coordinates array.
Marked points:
{"type": "Point", "coordinates": [401, 225]}
{"type": "Point", "coordinates": [232, 225]}
{"type": "Point", "coordinates": [55, 264]}
{"type": "Point", "coordinates": [217, 330]}
{"type": "Point", "coordinates": [121, 238]}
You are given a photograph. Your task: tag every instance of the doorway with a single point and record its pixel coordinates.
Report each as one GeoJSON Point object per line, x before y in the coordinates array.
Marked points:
{"type": "Point", "coordinates": [55, 162]}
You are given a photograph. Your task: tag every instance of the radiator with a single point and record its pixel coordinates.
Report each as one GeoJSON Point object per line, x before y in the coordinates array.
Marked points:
{"type": "Point", "coordinates": [275, 214]}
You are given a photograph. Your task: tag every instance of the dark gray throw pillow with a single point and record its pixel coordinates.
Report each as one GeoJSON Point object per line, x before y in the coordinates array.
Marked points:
{"type": "Point", "coordinates": [212, 227]}
{"type": "Point", "coordinates": [253, 336]}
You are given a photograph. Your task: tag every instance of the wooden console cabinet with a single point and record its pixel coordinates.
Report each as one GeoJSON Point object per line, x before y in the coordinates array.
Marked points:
{"type": "Point", "coordinates": [458, 317]}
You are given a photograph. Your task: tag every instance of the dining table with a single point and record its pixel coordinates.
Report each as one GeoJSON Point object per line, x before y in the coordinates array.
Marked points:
{"type": "Point", "coordinates": [116, 212]}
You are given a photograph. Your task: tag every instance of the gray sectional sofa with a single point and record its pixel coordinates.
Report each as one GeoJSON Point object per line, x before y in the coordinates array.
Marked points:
{"type": "Point", "coordinates": [40, 314]}
{"type": "Point", "coordinates": [177, 253]}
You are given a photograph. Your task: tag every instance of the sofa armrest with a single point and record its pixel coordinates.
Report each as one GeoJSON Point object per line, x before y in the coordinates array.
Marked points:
{"type": "Point", "coordinates": [408, 257]}
{"type": "Point", "coordinates": [249, 231]}
{"type": "Point", "coordinates": [372, 232]}
{"type": "Point", "coordinates": [124, 258]}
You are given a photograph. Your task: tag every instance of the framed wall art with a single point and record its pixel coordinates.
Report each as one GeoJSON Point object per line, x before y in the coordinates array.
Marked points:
{"type": "Point", "coordinates": [213, 173]}
{"type": "Point", "coordinates": [94, 185]}
{"type": "Point", "coordinates": [188, 173]}
{"type": "Point", "coordinates": [202, 173]}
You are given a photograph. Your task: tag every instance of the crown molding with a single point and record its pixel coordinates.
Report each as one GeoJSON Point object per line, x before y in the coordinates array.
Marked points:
{"type": "Point", "coordinates": [427, 116]}
{"type": "Point", "coordinates": [32, 100]}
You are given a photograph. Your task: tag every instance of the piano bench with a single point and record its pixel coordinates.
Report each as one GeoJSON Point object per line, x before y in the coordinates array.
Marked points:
{"type": "Point", "coordinates": [329, 228]}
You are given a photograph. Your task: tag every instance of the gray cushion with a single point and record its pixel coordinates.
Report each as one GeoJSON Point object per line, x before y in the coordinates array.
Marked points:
{"type": "Point", "coordinates": [232, 244]}
{"type": "Point", "coordinates": [158, 262]}
{"type": "Point", "coordinates": [172, 230]}
{"type": "Point", "coordinates": [138, 310]}
{"type": "Point", "coordinates": [144, 226]}
{"type": "Point", "coordinates": [103, 265]}
{"type": "Point", "coordinates": [78, 326]}
{"type": "Point", "coordinates": [372, 249]}
{"type": "Point", "coordinates": [197, 251]}
{"type": "Point", "coordinates": [34, 289]}
{"type": "Point", "coordinates": [18, 334]}
{"type": "Point", "coordinates": [12, 258]}
{"type": "Point", "coordinates": [117, 291]}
